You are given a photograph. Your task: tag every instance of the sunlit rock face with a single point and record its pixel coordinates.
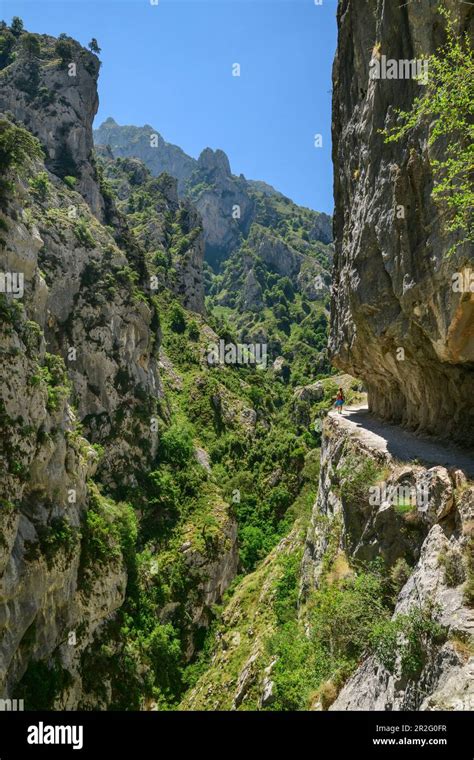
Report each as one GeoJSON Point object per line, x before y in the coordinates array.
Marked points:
{"type": "Point", "coordinates": [57, 103]}
{"type": "Point", "coordinates": [398, 320]}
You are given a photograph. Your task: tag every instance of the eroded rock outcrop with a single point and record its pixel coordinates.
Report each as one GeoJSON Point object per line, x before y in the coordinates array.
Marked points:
{"type": "Point", "coordinates": [62, 120]}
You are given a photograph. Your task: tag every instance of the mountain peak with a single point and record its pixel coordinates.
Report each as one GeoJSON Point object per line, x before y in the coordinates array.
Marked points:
{"type": "Point", "coordinates": [217, 160]}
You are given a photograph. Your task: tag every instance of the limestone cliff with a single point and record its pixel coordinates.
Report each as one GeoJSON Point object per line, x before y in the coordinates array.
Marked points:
{"type": "Point", "coordinates": [392, 276]}
{"type": "Point", "coordinates": [149, 146]}
{"type": "Point", "coordinates": [57, 103]}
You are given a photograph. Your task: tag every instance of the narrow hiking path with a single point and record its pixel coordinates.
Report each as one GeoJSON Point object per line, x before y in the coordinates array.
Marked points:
{"type": "Point", "coordinates": [400, 443]}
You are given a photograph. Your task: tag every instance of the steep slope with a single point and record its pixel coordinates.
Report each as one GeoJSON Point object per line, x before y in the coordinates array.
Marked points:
{"type": "Point", "coordinates": [86, 318]}
{"type": "Point", "coordinates": [275, 288]}
{"type": "Point", "coordinates": [169, 230]}
{"type": "Point", "coordinates": [378, 615]}
{"type": "Point", "coordinates": [418, 520]}
{"type": "Point", "coordinates": [397, 321]}
{"type": "Point", "coordinates": [56, 103]}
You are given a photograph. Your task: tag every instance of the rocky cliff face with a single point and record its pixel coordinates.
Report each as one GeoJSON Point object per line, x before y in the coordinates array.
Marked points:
{"type": "Point", "coordinates": [432, 535]}
{"type": "Point", "coordinates": [396, 320]}
{"type": "Point", "coordinates": [148, 145]}
{"type": "Point", "coordinates": [57, 103]}
{"type": "Point", "coordinates": [81, 397]}
{"type": "Point", "coordinates": [45, 467]}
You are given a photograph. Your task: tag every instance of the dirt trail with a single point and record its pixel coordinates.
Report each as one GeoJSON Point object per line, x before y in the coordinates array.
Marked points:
{"type": "Point", "coordinates": [402, 444]}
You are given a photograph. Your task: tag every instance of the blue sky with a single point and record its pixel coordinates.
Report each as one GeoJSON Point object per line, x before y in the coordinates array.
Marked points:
{"type": "Point", "coordinates": [170, 66]}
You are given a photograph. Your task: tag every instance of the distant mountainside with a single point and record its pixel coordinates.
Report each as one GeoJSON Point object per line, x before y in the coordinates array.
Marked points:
{"type": "Point", "coordinates": [126, 141]}
{"type": "Point", "coordinates": [228, 204]}
{"type": "Point", "coordinates": [267, 261]}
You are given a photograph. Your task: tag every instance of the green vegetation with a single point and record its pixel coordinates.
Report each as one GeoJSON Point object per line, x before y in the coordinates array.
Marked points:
{"type": "Point", "coordinates": [94, 46]}
{"type": "Point", "coordinates": [469, 560]}
{"type": "Point", "coordinates": [341, 614]}
{"type": "Point", "coordinates": [407, 640]}
{"type": "Point", "coordinates": [30, 45]}
{"type": "Point", "coordinates": [454, 572]}
{"type": "Point", "coordinates": [17, 149]}
{"type": "Point", "coordinates": [40, 185]}
{"type": "Point", "coordinates": [16, 27]}
{"type": "Point", "coordinates": [218, 451]}
{"type": "Point", "coordinates": [53, 374]}
{"type": "Point", "coordinates": [7, 45]}
{"type": "Point", "coordinates": [83, 234]}
{"type": "Point", "coordinates": [108, 534]}
{"type": "Point", "coordinates": [447, 106]}
{"type": "Point", "coordinates": [70, 182]}
{"type": "Point", "coordinates": [355, 478]}
{"type": "Point", "coordinates": [64, 49]}
{"type": "Point", "coordinates": [58, 536]}
{"type": "Point", "coordinates": [41, 684]}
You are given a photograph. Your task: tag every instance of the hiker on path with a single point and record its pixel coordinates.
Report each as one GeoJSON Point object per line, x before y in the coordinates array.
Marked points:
{"type": "Point", "coordinates": [340, 400]}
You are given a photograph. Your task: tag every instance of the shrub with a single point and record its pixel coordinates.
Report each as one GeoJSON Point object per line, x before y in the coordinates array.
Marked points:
{"type": "Point", "coordinates": [164, 491]}
{"type": "Point", "coordinates": [93, 46]}
{"type": "Point", "coordinates": [193, 330]}
{"type": "Point", "coordinates": [64, 49]}
{"type": "Point", "coordinates": [254, 544]}
{"type": "Point", "coordinates": [355, 477]}
{"type": "Point", "coordinates": [30, 45]}
{"type": "Point", "coordinates": [40, 185]}
{"type": "Point", "coordinates": [109, 532]}
{"type": "Point", "coordinates": [16, 26]}
{"type": "Point", "coordinates": [41, 684]}
{"type": "Point", "coordinates": [70, 181]}
{"type": "Point", "coordinates": [177, 445]}
{"type": "Point", "coordinates": [17, 149]}
{"type": "Point", "coordinates": [453, 567]}
{"type": "Point", "coordinates": [177, 318]}
{"type": "Point", "coordinates": [400, 573]}
{"type": "Point", "coordinates": [58, 535]}
{"type": "Point", "coordinates": [7, 44]}
{"type": "Point", "coordinates": [408, 638]}
{"type": "Point", "coordinates": [83, 234]}
{"type": "Point", "coordinates": [469, 588]}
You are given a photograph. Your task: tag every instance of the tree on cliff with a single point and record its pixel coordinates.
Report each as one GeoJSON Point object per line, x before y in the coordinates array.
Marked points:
{"type": "Point", "coordinates": [7, 44]}
{"type": "Point", "coordinates": [447, 105]}
{"type": "Point", "coordinates": [94, 46]}
{"type": "Point", "coordinates": [17, 26]}
{"type": "Point", "coordinates": [17, 149]}
{"type": "Point", "coordinates": [64, 49]}
{"type": "Point", "coordinates": [30, 45]}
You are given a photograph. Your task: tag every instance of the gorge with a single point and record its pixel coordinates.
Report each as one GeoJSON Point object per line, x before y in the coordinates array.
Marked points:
{"type": "Point", "coordinates": [184, 534]}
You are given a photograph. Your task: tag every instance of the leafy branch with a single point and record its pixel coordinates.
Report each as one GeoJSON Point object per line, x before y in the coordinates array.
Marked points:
{"type": "Point", "coordinates": [447, 106]}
